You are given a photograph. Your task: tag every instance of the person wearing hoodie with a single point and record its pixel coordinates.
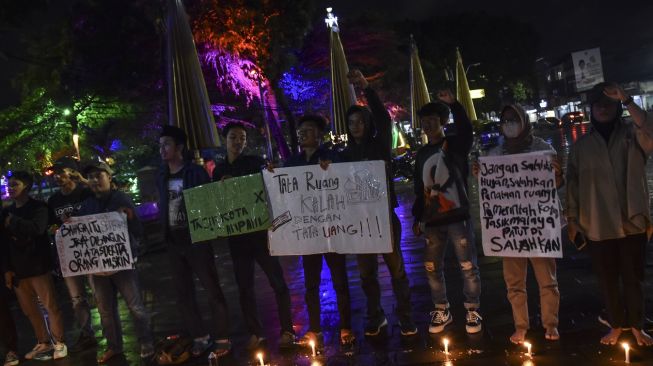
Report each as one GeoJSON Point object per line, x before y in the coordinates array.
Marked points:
{"type": "Point", "coordinates": [441, 208]}
{"type": "Point", "coordinates": [108, 284]}
{"type": "Point", "coordinates": [608, 204]}
{"type": "Point", "coordinates": [518, 139]}
{"type": "Point", "coordinates": [369, 137]}
{"type": "Point", "coordinates": [28, 263]}
{"type": "Point", "coordinates": [188, 260]}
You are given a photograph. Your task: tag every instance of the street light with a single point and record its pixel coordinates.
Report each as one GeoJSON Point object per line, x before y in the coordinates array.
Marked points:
{"type": "Point", "coordinates": [470, 66]}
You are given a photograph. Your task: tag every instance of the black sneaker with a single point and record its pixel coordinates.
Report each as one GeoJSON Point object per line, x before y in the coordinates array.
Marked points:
{"type": "Point", "coordinates": [374, 325]}
{"type": "Point", "coordinates": [473, 321]}
{"type": "Point", "coordinates": [440, 318]}
{"type": "Point", "coordinates": [407, 327]}
{"type": "Point", "coordinates": [83, 343]}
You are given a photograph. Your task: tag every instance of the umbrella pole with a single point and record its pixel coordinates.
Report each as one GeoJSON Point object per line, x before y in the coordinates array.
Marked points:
{"type": "Point", "coordinates": [197, 158]}
{"type": "Point", "coordinates": [265, 119]}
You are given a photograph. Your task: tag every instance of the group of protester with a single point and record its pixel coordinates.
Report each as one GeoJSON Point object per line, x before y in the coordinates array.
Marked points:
{"type": "Point", "coordinates": [616, 238]}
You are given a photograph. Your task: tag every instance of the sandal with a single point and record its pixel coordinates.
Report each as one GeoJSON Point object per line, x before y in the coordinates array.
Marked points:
{"type": "Point", "coordinates": [221, 347]}
{"type": "Point", "coordinates": [552, 334]}
{"type": "Point", "coordinates": [347, 337]}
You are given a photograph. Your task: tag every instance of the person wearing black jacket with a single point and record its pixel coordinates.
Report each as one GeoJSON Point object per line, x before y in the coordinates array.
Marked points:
{"type": "Point", "coordinates": [310, 130]}
{"type": "Point", "coordinates": [247, 249]}
{"type": "Point", "coordinates": [8, 335]}
{"type": "Point", "coordinates": [369, 137]}
{"type": "Point", "coordinates": [188, 259]}
{"type": "Point", "coordinates": [24, 227]}
{"type": "Point", "coordinates": [451, 221]}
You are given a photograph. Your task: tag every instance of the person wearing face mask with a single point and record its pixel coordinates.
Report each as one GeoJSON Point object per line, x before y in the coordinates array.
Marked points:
{"type": "Point", "coordinates": [608, 204]}
{"type": "Point", "coordinates": [441, 208]}
{"type": "Point", "coordinates": [251, 248]}
{"type": "Point", "coordinates": [517, 139]}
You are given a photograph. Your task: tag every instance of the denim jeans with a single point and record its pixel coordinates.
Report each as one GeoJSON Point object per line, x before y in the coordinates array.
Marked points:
{"type": "Point", "coordinates": [461, 235]}
{"type": "Point", "coordinates": [77, 290]}
{"type": "Point", "coordinates": [106, 290]}
{"type": "Point", "coordinates": [368, 266]}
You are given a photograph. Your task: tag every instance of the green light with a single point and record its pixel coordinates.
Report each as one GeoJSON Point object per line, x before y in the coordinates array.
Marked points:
{"type": "Point", "coordinates": [66, 112]}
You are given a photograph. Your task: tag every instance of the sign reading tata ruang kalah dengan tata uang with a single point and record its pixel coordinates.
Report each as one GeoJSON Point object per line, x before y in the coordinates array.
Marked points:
{"type": "Point", "coordinates": [588, 70]}
{"type": "Point", "coordinates": [343, 209]}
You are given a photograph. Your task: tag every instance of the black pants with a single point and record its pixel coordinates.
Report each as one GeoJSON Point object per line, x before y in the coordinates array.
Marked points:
{"type": "Point", "coordinates": [197, 259]}
{"type": "Point", "coordinates": [619, 265]}
{"type": "Point", "coordinates": [8, 336]}
{"type": "Point", "coordinates": [246, 250]}
{"type": "Point", "coordinates": [368, 266]}
{"type": "Point", "coordinates": [312, 279]}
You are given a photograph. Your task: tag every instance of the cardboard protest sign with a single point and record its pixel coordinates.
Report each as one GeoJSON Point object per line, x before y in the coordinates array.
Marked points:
{"type": "Point", "coordinates": [231, 207]}
{"type": "Point", "coordinates": [94, 244]}
{"type": "Point", "coordinates": [343, 209]}
{"type": "Point", "coordinates": [519, 206]}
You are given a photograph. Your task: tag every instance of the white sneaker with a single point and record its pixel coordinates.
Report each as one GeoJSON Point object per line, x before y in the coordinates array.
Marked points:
{"type": "Point", "coordinates": [11, 359]}
{"type": "Point", "coordinates": [440, 318]}
{"type": "Point", "coordinates": [60, 350]}
{"type": "Point", "coordinates": [40, 352]}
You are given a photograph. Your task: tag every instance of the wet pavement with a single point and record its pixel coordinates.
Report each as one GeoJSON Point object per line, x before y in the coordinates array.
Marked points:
{"type": "Point", "coordinates": [579, 309]}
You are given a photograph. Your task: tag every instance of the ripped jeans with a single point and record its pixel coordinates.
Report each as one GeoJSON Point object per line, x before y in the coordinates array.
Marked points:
{"type": "Point", "coordinates": [461, 235]}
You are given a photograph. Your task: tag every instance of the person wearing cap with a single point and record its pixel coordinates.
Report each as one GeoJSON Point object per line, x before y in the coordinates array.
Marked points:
{"type": "Point", "coordinates": [188, 260]}
{"type": "Point", "coordinates": [62, 205]}
{"type": "Point", "coordinates": [25, 242]}
{"type": "Point", "coordinates": [310, 130]}
{"type": "Point", "coordinates": [608, 204]}
{"type": "Point", "coordinates": [106, 285]}
{"type": "Point", "coordinates": [251, 248]}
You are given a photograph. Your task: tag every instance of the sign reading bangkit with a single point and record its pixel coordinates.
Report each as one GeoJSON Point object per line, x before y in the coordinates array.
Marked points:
{"type": "Point", "coordinates": [520, 208]}
{"type": "Point", "coordinates": [94, 244]}
{"type": "Point", "coordinates": [232, 207]}
{"type": "Point", "coordinates": [343, 209]}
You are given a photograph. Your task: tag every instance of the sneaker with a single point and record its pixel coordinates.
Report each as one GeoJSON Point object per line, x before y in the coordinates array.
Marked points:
{"type": "Point", "coordinates": [407, 327]}
{"type": "Point", "coordinates": [254, 343]}
{"type": "Point", "coordinates": [83, 343]}
{"type": "Point", "coordinates": [287, 340]}
{"type": "Point", "coordinates": [60, 350]}
{"type": "Point", "coordinates": [40, 352]}
{"type": "Point", "coordinates": [147, 350]}
{"type": "Point", "coordinates": [200, 345]}
{"type": "Point", "coordinates": [473, 321]}
{"type": "Point", "coordinates": [11, 359]}
{"type": "Point", "coordinates": [374, 325]}
{"type": "Point", "coordinates": [440, 318]}
{"type": "Point", "coordinates": [305, 341]}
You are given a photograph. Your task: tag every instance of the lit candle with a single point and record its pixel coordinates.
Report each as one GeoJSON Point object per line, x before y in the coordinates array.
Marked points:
{"type": "Point", "coordinates": [627, 349]}
{"type": "Point", "coordinates": [312, 344]}
{"type": "Point", "coordinates": [260, 359]}
{"type": "Point", "coordinates": [445, 341]}
{"type": "Point", "coordinates": [528, 348]}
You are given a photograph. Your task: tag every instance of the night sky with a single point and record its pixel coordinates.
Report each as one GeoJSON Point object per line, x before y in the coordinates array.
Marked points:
{"type": "Point", "coordinates": [623, 29]}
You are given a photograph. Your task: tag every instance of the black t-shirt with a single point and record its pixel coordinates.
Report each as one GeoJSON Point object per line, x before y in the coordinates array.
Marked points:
{"type": "Point", "coordinates": [65, 205]}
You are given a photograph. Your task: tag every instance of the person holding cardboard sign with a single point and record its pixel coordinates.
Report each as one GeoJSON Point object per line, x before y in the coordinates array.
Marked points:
{"type": "Point", "coordinates": [310, 130]}
{"type": "Point", "coordinates": [518, 138]}
{"type": "Point", "coordinates": [248, 249]}
{"type": "Point", "coordinates": [107, 285]}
